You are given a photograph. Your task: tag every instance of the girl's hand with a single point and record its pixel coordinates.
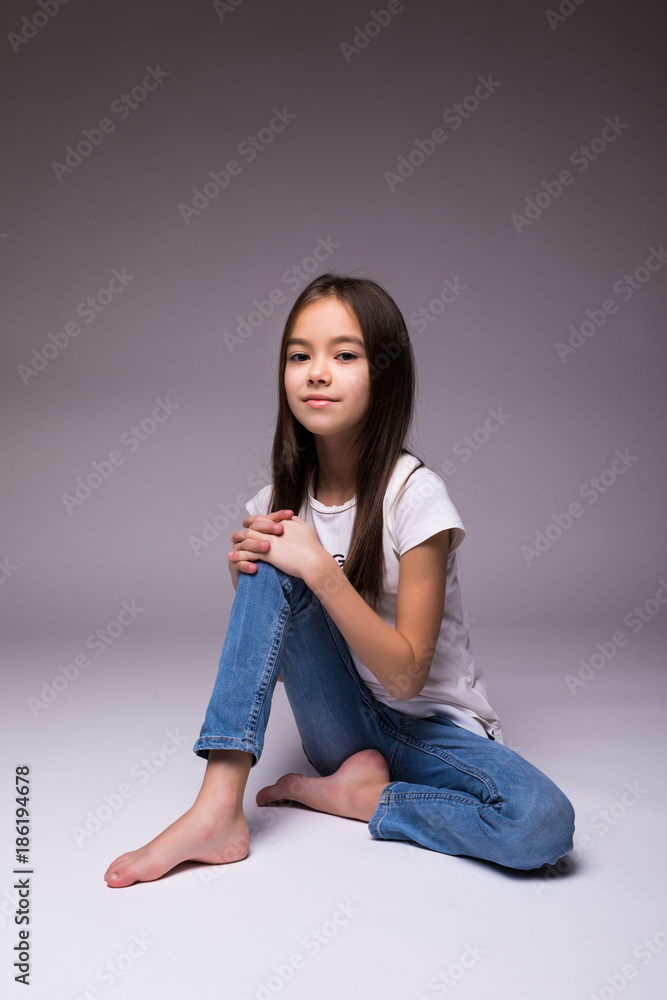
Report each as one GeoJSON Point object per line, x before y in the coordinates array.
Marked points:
{"type": "Point", "coordinates": [295, 550]}
{"type": "Point", "coordinates": [245, 549]}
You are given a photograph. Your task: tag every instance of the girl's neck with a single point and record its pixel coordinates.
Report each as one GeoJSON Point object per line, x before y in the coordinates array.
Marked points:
{"type": "Point", "coordinates": [333, 483]}
{"type": "Point", "coordinates": [331, 495]}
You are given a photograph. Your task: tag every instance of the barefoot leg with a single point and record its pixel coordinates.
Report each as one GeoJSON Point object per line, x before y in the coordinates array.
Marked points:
{"type": "Point", "coordinates": [213, 830]}
{"type": "Point", "coordinates": [353, 790]}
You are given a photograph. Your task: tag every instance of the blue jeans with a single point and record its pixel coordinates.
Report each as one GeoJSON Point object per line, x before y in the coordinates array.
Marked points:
{"type": "Point", "coordinates": [450, 790]}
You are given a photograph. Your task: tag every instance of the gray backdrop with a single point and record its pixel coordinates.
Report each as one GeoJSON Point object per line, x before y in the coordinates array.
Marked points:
{"type": "Point", "coordinates": [327, 176]}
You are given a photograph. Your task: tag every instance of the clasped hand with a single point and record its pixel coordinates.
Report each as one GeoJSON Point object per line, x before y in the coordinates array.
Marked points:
{"type": "Point", "coordinates": [281, 539]}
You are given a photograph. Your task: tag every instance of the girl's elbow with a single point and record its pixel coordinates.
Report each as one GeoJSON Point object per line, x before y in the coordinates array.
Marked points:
{"type": "Point", "coordinates": [408, 683]}
{"type": "Point", "coordinates": [408, 695]}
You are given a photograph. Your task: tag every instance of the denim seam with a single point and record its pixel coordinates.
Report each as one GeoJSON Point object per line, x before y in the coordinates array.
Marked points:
{"type": "Point", "coordinates": [249, 746]}
{"type": "Point", "coordinates": [444, 794]}
{"type": "Point", "coordinates": [251, 730]}
{"type": "Point", "coordinates": [388, 794]}
{"type": "Point", "coordinates": [399, 745]}
{"type": "Point", "coordinates": [455, 762]}
{"type": "Point", "coordinates": [374, 824]}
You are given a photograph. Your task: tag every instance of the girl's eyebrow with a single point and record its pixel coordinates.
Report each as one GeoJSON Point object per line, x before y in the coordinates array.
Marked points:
{"type": "Point", "coordinates": [342, 339]}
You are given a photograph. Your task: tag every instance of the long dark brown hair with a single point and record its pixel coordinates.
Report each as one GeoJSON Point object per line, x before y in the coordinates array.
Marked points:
{"type": "Point", "coordinates": [381, 434]}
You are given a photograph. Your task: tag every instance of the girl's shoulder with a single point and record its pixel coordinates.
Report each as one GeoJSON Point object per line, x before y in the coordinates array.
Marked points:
{"type": "Point", "coordinates": [409, 475]}
{"type": "Point", "coordinates": [417, 504]}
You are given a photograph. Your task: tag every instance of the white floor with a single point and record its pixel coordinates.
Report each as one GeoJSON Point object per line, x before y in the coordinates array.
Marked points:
{"type": "Point", "coordinates": [319, 909]}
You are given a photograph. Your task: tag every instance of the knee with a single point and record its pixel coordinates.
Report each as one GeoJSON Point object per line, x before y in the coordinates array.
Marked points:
{"type": "Point", "coordinates": [558, 824]}
{"type": "Point", "coordinates": [543, 830]}
{"type": "Point", "coordinates": [265, 572]}
{"type": "Point", "coordinates": [262, 569]}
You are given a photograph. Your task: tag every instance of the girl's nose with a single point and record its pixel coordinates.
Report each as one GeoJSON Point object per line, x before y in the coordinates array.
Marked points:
{"type": "Point", "coordinates": [319, 372]}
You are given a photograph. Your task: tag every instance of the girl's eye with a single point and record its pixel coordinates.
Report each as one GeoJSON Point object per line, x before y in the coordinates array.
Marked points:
{"type": "Point", "coordinates": [300, 354]}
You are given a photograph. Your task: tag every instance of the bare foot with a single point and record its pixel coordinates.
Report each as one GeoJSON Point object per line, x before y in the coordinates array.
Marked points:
{"type": "Point", "coordinates": [198, 835]}
{"type": "Point", "coordinates": [353, 790]}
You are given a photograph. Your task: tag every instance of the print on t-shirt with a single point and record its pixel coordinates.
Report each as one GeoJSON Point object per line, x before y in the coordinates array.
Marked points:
{"type": "Point", "coordinates": [340, 559]}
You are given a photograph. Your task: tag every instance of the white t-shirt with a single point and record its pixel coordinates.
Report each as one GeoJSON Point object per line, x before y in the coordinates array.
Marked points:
{"type": "Point", "coordinates": [455, 687]}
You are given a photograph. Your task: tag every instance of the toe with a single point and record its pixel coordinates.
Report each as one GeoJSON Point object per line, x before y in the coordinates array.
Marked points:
{"type": "Point", "coordinates": [112, 871]}
{"type": "Point", "coordinates": [283, 790]}
{"type": "Point", "coordinates": [115, 880]}
{"type": "Point", "coordinates": [266, 795]}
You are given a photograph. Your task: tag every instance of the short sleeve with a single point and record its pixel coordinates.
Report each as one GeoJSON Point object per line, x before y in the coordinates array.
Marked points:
{"type": "Point", "coordinates": [260, 502]}
{"type": "Point", "coordinates": [422, 509]}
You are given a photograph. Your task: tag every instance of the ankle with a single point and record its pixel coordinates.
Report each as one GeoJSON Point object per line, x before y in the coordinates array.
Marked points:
{"type": "Point", "coordinates": [367, 796]}
{"type": "Point", "coordinates": [219, 803]}
{"type": "Point", "coordinates": [225, 779]}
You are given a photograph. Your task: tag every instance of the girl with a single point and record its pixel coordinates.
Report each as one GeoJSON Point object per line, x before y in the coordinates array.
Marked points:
{"type": "Point", "coordinates": [354, 603]}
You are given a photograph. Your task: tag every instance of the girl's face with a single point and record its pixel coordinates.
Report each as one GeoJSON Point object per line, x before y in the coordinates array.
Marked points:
{"type": "Point", "coordinates": [326, 356]}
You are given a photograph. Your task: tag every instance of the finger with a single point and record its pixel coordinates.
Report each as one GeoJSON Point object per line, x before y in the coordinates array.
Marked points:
{"type": "Point", "coordinates": [276, 515]}
{"type": "Point", "coordinates": [248, 567]}
{"type": "Point", "coordinates": [264, 523]}
{"type": "Point", "coordinates": [238, 556]}
{"type": "Point", "coordinates": [251, 543]}
{"type": "Point", "coordinates": [243, 533]}
{"type": "Point", "coordinates": [259, 527]}
{"type": "Point", "coordinates": [277, 519]}
{"type": "Point", "coordinates": [280, 515]}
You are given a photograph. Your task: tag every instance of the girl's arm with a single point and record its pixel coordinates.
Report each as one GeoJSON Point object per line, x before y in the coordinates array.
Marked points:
{"type": "Point", "coordinates": [400, 658]}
